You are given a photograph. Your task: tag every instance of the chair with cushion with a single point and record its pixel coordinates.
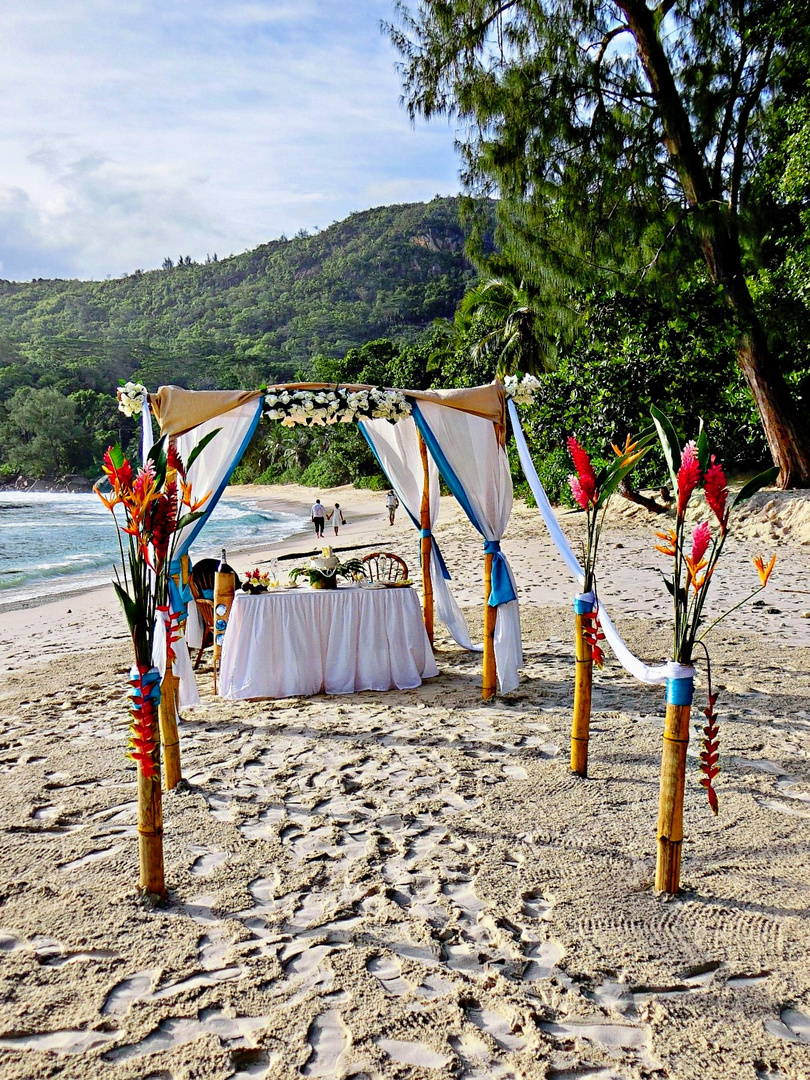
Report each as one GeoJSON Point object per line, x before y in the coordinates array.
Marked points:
{"type": "Point", "coordinates": [202, 589]}
{"type": "Point", "coordinates": [385, 566]}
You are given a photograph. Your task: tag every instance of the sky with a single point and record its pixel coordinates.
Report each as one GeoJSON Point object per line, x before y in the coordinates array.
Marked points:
{"type": "Point", "coordinates": [132, 130]}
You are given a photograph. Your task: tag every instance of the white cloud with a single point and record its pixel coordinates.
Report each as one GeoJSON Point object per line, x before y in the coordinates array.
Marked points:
{"type": "Point", "coordinates": [134, 129]}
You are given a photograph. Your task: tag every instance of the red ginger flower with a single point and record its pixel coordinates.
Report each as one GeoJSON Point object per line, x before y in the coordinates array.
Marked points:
{"type": "Point", "coordinates": [688, 475]}
{"type": "Point", "coordinates": [701, 538]}
{"type": "Point", "coordinates": [583, 485]}
{"type": "Point", "coordinates": [716, 491]}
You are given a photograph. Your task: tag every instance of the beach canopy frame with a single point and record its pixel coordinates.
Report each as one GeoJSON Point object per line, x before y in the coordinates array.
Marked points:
{"type": "Point", "coordinates": [458, 434]}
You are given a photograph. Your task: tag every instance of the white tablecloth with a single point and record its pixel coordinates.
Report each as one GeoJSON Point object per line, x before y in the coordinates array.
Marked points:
{"type": "Point", "coordinates": [302, 642]}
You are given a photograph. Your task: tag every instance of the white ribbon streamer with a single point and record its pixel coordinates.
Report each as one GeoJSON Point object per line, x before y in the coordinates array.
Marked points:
{"type": "Point", "coordinates": [653, 676]}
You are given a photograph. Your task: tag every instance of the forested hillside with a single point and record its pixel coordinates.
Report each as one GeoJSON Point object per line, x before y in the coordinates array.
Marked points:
{"type": "Point", "coordinates": [240, 321]}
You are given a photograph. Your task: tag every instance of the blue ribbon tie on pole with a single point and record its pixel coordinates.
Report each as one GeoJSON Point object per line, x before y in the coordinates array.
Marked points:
{"type": "Point", "coordinates": [502, 590]}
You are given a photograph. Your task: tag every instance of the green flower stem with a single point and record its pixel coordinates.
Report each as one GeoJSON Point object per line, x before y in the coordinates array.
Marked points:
{"type": "Point", "coordinates": [721, 617]}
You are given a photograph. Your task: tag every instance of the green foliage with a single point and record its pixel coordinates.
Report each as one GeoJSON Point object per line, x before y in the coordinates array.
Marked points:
{"type": "Point", "coordinates": [234, 323]}
{"type": "Point", "coordinates": [634, 355]}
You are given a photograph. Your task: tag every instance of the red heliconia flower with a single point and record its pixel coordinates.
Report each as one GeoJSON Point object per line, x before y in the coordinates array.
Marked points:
{"type": "Point", "coordinates": [122, 476]}
{"type": "Point", "coordinates": [688, 475]}
{"type": "Point", "coordinates": [174, 461]}
{"type": "Point", "coordinates": [701, 538]}
{"type": "Point", "coordinates": [583, 484]}
{"type": "Point", "coordinates": [715, 489]}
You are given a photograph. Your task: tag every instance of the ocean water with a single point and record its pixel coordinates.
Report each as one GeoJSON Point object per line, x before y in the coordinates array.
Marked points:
{"type": "Point", "coordinates": [53, 543]}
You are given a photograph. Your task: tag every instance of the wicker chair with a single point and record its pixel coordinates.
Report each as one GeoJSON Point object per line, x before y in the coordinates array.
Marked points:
{"type": "Point", "coordinates": [202, 589]}
{"type": "Point", "coordinates": [385, 566]}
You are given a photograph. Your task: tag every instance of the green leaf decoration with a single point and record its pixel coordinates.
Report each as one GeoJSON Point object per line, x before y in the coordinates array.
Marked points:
{"type": "Point", "coordinates": [158, 455]}
{"type": "Point", "coordinates": [669, 443]}
{"type": "Point", "coordinates": [187, 519]}
{"type": "Point", "coordinates": [753, 486]}
{"type": "Point", "coordinates": [201, 445]}
{"type": "Point", "coordinates": [128, 604]}
{"type": "Point", "coordinates": [703, 448]}
{"type": "Point", "coordinates": [116, 456]}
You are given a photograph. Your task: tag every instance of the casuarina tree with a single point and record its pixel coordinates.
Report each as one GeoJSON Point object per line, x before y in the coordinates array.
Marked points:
{"type": "Point", "coordinates": [621, 139]}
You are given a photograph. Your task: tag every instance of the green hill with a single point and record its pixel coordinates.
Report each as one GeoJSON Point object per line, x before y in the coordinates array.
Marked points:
{"type": "Point", "coordinates": [236, 322]}
{"type": "Point", "coordinates": [386, 272]}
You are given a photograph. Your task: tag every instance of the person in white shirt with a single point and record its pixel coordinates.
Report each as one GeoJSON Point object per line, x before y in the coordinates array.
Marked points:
{"type": "Point", "coordinates": [336, 517]}
{"type": "Point", "coordinates": [391, 504]}
{"type": "Point", "coordinates": [318, 515]}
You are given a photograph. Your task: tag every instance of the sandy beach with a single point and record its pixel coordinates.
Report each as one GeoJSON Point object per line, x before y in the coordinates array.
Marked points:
{"type": "Point", "coordinates": [413, 884]}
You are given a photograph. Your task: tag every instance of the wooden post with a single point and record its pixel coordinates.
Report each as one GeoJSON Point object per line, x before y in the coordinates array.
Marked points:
{"type": "Point", "coordinates": [169, 736]}
{"type": "Point", "coordinates": [670, 798]}
{"type": "Point", "coordinates": [167, 711]}
{"type": "Point", "coordinates": [427, 543]}
{"type": "Point", "coordinates": [583, 684]}
{"type": "Point", "coordinates": [150, 833]}
{"type": "Point", "coordinates": [224, 589]}
{"type": "Point", "coordinates": [488, 680]}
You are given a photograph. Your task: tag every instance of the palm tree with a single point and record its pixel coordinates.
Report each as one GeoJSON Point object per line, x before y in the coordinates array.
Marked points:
{"type": "Point", "coordinates": [510, 315]}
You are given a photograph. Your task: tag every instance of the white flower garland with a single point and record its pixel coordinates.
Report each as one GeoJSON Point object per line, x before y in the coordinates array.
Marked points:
{"type": "Point", "coordinates": [521, 391]}
{"type": "Point", "coordinates": [131, 397]}
{"type": "Point", "coordinates": [317, 408]}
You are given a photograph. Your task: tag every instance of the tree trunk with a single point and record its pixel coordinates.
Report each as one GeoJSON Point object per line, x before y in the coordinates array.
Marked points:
{"type": "Point", "coordinates": [715, 226]}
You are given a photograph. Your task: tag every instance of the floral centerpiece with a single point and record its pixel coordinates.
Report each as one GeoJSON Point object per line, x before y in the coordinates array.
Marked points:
{"type": "Point", "coordinates": [256, 581]}
{"type": "Point", "coordinates": [324, 570]}
{"type": "Point", "coordinates": [694, 561]}
{"type": "Point", "coordinates": [157, 503]}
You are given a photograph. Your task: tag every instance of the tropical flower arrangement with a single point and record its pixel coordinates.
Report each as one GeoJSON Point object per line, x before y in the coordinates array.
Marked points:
{"type": "Point", "coordinates": [592, 494]}
{"type": "Point", "coordinates": [324, 571]}
{"type": "Point", "coordinates": [695, 558]}
{"type": "Point", "coordinates": [521, 390]}
{"type": "Point", "coordinates": [317, 408]}
{"type": "Point", "coordinates": [257, 581]}
{"type": "Point", "coordinates": [131, 396]}
{"type": "Point", "coordinates": [157, 503]}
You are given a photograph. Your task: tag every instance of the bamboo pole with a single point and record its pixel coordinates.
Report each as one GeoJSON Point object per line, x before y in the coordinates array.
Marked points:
{"type": "Point", "coordinates": [167, 710]}
{"type": "Point", "coordinates": [583, 686]}
{"type": "Point", "coordinates": [670, 799]}
{"type": "Point", "coordinates": [488, 680]}
{"type": "Point", "coordinates": [169, 735]}
{"type": "Point", "coordinates": [427, 543]}
{"type": "Point", "coordinates": [224, 589]}
{"type": "Point", "coordinates": [150, 833]}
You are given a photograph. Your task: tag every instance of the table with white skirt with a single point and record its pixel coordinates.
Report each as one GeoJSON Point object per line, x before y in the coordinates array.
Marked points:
{"type": "Point", "coordinates": [299, 642]}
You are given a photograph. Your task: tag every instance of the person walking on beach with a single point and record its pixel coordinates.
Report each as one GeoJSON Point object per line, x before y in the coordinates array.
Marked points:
{"type": "Point", "coordinates": [391, 503]}
{"type": "Point", "coordinates": [336, 517]}
{"type": "Point", "coordinates": [318, 515]}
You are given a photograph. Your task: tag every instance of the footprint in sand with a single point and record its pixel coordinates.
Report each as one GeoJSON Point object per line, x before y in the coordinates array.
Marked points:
{"type": "Point", "coordinates": [417, 1054]}
{"type": "Point", "coordinates": [792, 1025]}
{"type": "Point", "coordinates": [388, 971]}
{"type": "Point", "coordinates": [328, 1038]}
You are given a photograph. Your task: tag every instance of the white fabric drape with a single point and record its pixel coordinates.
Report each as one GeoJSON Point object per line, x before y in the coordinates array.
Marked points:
{"type": "Point", "coordinates": [470, 446]}
{"type": "Point", "coordinates": [654, 676]}
{"type": "Point", "coordinates": [214, 465]}
{"type": "Point", "coordinates": [187, 693]}
{"type": "Point", "coordinates": [208, 473]}
{"type": "Point", "coordinates": [397, 447]}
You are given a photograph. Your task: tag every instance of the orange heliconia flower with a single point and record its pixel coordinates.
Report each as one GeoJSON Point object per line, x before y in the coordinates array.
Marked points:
{"type": "Point", "coordinates": [671, 540]}
{"type": "Point", "coordinates": [763, 570]}
{"type": "Point", "coordinates": [629, 455]}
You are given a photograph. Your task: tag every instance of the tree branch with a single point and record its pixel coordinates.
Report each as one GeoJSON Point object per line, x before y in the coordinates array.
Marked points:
{"type": "Point", "coordinates": [742, 129]}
